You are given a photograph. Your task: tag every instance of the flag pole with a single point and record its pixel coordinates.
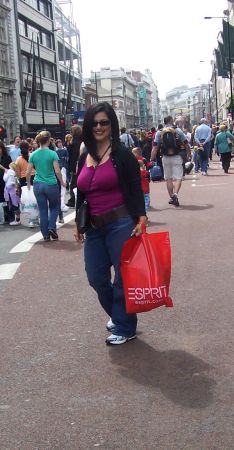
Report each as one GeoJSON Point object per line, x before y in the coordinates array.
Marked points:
{"type": "Point", "coordinates": [26, 84]}
{"type": "Point", "coordinates": [230, 66]}
{"type": "Point", "coordinates": [41, 85]}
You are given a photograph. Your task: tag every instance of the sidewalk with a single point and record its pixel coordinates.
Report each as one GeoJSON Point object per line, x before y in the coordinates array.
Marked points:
{"type": "Point", "coordinates": [62, 388]}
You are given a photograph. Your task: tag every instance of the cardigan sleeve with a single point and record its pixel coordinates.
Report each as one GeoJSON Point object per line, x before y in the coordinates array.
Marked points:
{"type": "Point", "coordinates": [128, 170]}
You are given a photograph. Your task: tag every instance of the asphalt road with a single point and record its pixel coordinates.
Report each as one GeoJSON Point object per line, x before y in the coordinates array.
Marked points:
{"type": "Point", "coordinates": [170, 389]}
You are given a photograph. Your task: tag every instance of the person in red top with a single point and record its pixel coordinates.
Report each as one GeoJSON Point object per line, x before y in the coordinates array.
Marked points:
{"type": "Point", "coordinates": [145, 183]}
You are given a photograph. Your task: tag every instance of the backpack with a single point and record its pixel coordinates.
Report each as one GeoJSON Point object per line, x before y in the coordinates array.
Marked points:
{"type": "Point", "coordinates": [156, 173]}
{"type": "Point", "coordinates": [170, 142]}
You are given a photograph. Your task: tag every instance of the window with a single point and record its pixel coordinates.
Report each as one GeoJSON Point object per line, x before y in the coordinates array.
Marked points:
{"type": "Point", "coordinates": [25, 61]}
{"type": "Point", "coordinates": [77, 87]}
{"type": "Point", "coordinates": [45, 8]}
{"type": "Point", "coordinates": [32, 3]}
{"type": "Point", "coordinates": [22, 28]}
{"type": "Point", "coordinates": [4, 65]}
{"type": "Point", "coordinates": [7, 103]}
{"type": "Point", "coordinates": [32, 33]}
{"type": "Point", "coordinates": [50, 103]}
{"type": "Point", "coordinates": [48, 70]}
{"type": "Point", "coordinates": [46, 40]}
{"type": "Point", "coordinates": [3, 36]}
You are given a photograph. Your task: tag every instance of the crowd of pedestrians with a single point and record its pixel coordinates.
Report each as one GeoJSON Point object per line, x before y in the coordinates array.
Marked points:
{"type": "Point", "coordinates": [151, 148]}
{"type": "Point", "coordinates": [110, 171]}
{"type": "Point", "coordinates": [20, 166]}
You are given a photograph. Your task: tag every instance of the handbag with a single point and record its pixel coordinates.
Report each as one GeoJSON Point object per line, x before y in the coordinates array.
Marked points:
{"type": "Point", "coordinates": [83, 218]}
{"type": "Point", "coordinates": [83, 214]}
{"type": "Point", "coordinates": [146, 271]}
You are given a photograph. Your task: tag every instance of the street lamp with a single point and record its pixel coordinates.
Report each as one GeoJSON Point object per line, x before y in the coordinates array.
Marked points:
{"type": "Point", "coordinates": [226, 13]}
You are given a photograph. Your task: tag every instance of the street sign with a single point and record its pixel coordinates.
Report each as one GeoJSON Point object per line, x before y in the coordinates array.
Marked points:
{"type": "Point", "coordinates": [79, 115]}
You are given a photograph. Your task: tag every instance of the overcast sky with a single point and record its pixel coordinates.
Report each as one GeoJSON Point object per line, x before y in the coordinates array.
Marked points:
{"type": "Point", "coordinates": [169, 37]}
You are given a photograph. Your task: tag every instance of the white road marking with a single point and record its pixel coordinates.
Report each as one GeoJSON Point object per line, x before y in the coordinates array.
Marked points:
{"type": "Point", "coordinates": [208, 185]}
{"type": "Point", "coordinates": [27, 244]}
{"type": "Point", "coordinates": [7, 271]}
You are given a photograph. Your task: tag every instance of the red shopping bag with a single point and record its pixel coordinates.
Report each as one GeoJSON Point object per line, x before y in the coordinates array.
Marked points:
{"type": "Point", "coordinates": [146, 272]}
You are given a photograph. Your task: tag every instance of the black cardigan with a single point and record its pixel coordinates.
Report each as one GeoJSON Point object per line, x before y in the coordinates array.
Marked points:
{"type": "Point", "coordinates": [128, 171]}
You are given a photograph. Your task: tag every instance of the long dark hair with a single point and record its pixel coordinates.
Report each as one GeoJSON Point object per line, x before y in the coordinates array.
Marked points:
{"type": "Point", "coordinates": [87, 134]}
{"type": "Point", "coordinates": [4, 150]}
{"type": "Point", "coordinates": [24, 147]}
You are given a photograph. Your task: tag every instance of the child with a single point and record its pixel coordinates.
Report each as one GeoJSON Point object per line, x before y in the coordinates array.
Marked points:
{"type": "Point", "coordinates": [145, 184]}
{"type": "Point", "coordinates": [137, 153]}
{"type": "Point", "coordinates": [11, 194]}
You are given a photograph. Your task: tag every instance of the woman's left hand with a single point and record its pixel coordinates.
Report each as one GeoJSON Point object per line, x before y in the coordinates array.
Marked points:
{"type": "Point", "coordinates": [140, 227]}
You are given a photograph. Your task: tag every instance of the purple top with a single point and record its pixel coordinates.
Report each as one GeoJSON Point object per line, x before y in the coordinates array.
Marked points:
{"type": "Point", "coordinates": [104, 192]}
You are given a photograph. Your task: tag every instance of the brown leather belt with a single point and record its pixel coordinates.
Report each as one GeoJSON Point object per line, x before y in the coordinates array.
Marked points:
{"type": "Point", "coordinates": [109, 217]}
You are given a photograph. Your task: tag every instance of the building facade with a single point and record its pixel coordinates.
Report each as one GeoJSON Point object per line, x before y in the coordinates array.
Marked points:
{"type": "Point", "coordinates": [192, 103]}
{"type": "Point", "coordinates": [47, 37]}
{"type": "Point", "coordinates": [9, 118]}
{"type": "Point", "coordinates": [133, 95]}
{"type": "Point", "coordinates": [119, 89]}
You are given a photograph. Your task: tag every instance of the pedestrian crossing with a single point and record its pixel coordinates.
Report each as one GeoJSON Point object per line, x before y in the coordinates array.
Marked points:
{"type": "Point", "coordinates": [8, 270]}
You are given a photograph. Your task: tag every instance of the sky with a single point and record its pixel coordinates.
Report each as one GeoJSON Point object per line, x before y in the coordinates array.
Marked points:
{"type": "Point", "coordinates": [169, 37]}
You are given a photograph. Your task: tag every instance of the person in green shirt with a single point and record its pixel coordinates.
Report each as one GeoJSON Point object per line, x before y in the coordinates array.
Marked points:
{"type": "Point", "coordinates": [45, 185]}
{"type": "Point", "coordinates": [224, 146]}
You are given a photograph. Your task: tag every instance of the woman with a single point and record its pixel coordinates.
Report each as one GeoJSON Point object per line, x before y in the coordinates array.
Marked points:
{"type": "Point", "coordinates": [22, 164]}
{"type": "Point", "coordinates": [45, 184]}
{"type": "Point", "coordinates": [222, 146]}
{"type": "Point", "coordinates": [73, 156]}
{"type": "Point", "coordinates": [109, 179]}
{"type": "Point", "coordinates": [5, 160]}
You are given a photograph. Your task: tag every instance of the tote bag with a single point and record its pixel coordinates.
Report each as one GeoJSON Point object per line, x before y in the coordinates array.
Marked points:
{"type": "Point", "coordinates": [146, 272]}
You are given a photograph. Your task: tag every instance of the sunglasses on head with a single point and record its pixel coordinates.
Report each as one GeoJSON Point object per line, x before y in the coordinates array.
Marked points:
{"type": "Point", "coordinates": [102, 123]}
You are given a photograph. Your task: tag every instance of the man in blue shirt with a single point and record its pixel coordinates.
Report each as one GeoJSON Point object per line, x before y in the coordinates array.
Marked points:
{"type": "Point", "coordinates": [202, 138]}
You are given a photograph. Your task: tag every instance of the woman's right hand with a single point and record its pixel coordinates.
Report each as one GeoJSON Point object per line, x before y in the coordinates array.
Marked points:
{"type": "Point", "coordinates": [79, 237]}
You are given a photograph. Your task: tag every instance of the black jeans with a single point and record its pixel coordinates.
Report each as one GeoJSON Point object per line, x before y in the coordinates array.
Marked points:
{"type": "Point", "coordinates": [73, 185]}
{"type": "Point", "coordinates": [226, 159]}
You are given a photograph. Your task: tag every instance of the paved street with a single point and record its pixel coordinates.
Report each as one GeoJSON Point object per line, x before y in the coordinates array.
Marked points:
{"type": "Point", "coordinates": [170, 389]}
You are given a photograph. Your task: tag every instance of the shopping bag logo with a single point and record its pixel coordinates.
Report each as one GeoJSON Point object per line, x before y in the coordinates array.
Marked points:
{"type": "Point", "coordinates": [147, 295]}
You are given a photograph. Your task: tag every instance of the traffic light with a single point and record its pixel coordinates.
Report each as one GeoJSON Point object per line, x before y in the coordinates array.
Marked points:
{"type": "Point", "coordinates": [3, 134]}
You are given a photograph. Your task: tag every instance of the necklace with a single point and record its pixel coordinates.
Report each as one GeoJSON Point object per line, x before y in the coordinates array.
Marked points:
{"type": "Point", "coordinates": [101, 158]}
{"type": "Point", "coordinates": [109, 146]}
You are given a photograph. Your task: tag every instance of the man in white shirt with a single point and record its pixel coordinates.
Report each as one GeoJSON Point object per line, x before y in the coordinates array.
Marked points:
{"type": "Point", "coordinates": [126, 139]}
{"type": "Point", "coordinates": [14, 150]}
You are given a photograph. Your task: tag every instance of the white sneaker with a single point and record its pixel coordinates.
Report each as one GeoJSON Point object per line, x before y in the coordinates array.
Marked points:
{"type": "Point", "coordinates": [61, 221]}
{"type": "Point", "coordinates": [110, 325]}
{"type": "Point", "coordinates": [113, 339]}
{"type": "Point", "coordinates": [15, 222]}
{"type": "Point", "coordinates": [65, 208]}
{"type": "Point", "coordinates": [31, 225]}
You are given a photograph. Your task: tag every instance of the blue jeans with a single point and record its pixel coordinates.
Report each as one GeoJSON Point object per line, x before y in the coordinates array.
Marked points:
{"type": "Point", "coordinates": [47, 195]}
{"type": "Point", "coordinates": [102, 250]}
{"type": "Point", "coordinates": [196, 160]}
{"type": "Point", "coordinates": [204, 157]}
